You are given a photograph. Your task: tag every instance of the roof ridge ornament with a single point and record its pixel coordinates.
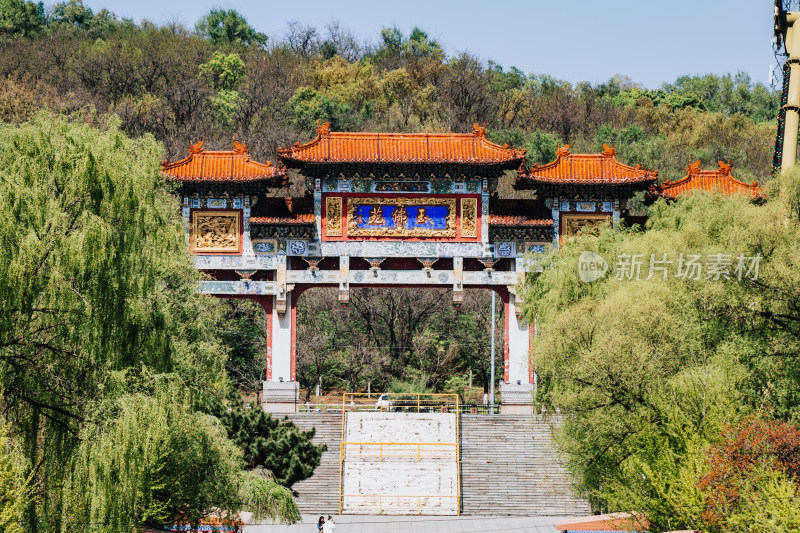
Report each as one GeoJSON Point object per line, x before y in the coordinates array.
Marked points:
{"type": "Point", "coordinates": [562, 151]}
{"type": "Point", "coordinates": [239, 148]}
{"type": "Point", "coordinates": [609, 151]}
{"type": "Point", "coordinates": [196, 148]}
{"type": "Point", "coordinates": [725, 168]}
{"type": "Point", "coordinates": [478, 130]}
{"type": "Point", "coordinates": [323, 129]}
{"type": "Point", "coordinates": [693, 168]}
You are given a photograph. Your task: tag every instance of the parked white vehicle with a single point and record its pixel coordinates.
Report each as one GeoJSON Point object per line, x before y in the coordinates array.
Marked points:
{"type": "Point", "coordinates": [383, 403]}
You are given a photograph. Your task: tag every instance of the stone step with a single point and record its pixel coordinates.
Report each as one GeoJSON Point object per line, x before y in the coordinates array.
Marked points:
{"type": "Point", "coordinates": [509, 467]}
{"type": "Point", "coordinates": [319, 494]}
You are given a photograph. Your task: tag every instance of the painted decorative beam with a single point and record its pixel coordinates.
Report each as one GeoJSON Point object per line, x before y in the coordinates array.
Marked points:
{"type": "Point", "coordinates": [345, 278]}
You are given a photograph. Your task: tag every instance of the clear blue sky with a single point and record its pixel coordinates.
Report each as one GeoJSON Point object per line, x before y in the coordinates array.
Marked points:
{"type": "Point", "coordinates": [651, 42]}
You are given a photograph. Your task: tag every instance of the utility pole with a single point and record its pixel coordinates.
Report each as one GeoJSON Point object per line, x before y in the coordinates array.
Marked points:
{"type": "Point", "coordinates": [491, 373]}
{"type": "Point", "coordinates": [785, 29]}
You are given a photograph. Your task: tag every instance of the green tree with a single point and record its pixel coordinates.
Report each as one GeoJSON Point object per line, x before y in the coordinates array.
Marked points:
{"type": "Point", "coordinates": [419, 46]}
{"type": "Point", "coordinates": [19, 18]}
{"type": "Point", "coordinates": [246, 337]}
{"type": "Point", "coordinates": [156, 462]}
{"type": "Point", "coordinates": [273, 444]}
{"type": "Point", "coordinates": [392, 39]}
{"type": "Point", "coordinates": [308, 106]}
{"type": "Point", "coordinates": [97, 289]}
{"type": "Point", "coordinates": [73, 13]}
{"type": "Point", "coordinates": [649, 372]}
{"type": "Point", "coordinates": [223, 72]}
{"type": "Point", "coordinates": [388, 53]}
{"type": "Point", "coordinates": [228, 27]}
{"type": "Point", "coordinates": [14, 489]}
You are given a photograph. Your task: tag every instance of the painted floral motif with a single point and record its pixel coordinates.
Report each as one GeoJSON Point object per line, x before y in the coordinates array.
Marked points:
{"type": "Point", "coordinates": [360, 185]}
{"type": "Point", "coordinates": [442, 186]}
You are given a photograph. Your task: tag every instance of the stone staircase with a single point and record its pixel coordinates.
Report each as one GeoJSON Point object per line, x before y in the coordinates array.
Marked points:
{"type": "Point", "coordinates": [319, 494]}
{"type": "Point", "coordinates": [509, 467]}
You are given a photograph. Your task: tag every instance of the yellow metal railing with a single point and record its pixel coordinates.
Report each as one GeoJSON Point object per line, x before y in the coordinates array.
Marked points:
{"type": "Point", "coordinates": [404, 402]}
{"type": "Point", "coordinates": [421, 402]}
{"type": "Point", "coordinates": [379, 498]}
{"type": "Point", "coordinates": [384, 445]}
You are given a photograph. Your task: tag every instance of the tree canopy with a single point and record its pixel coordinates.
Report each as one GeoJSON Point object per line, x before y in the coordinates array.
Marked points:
{"type": "Point", "coordinates": [228, 27]}
{"type": "Point", "coordinates": [650, 369]}
{"type": "Point", "coordinates": [102, 332]}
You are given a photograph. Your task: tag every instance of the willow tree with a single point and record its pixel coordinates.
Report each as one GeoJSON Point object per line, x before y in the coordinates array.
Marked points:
{"type": "Point", "coordinates": [158, 462]}
{"type": "Point", "coordinates": [650, 367]}
{"type": "Point", "coordinates": [14, 488]}
{"type": "Point", "coordinates": [97, 293]}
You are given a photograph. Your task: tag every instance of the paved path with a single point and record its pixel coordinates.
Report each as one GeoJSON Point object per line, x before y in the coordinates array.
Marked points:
{"type": "Point", "coordinates": [419, 524]}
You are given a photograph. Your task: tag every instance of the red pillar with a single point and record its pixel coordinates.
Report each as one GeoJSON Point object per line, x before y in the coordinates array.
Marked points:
{"type": "Point", "coordinates": [266, 303]}
{"type": "Point", "coordinates": [293, 310]}
{"type": "Point", "coordinates": [506, 310]}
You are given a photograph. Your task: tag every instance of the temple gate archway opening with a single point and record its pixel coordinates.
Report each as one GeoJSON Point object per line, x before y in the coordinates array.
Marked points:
{"type": "Point", "coordinates": [392, 338]}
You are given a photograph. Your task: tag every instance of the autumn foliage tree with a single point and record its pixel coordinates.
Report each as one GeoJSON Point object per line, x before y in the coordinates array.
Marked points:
{"type": "Point", "coordinates": [755, 465]}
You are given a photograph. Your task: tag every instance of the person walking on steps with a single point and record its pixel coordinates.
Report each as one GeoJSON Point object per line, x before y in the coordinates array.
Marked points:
{"type": "Point", "coordinates": [329, 526]}
{"type": "Point", "coordinates": [320, 524]}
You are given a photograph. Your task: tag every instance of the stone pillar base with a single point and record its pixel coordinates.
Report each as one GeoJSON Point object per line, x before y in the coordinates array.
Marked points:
{"type": "Point", "coordinates": [280, 397]}
{"type": "Point", "coordinates": [516, 399]}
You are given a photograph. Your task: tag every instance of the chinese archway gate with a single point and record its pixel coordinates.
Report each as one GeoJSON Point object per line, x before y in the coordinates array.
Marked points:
{"type": "Point", "coordinates": [391, 210]}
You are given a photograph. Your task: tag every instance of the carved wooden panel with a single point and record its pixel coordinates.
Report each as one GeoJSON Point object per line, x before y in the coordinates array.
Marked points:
{"type": "Point", "coordinates": [571, 225]}
{"type": "Point", "coordinates": [469, 217]}
{"type": "Point", "coordinates": [216, 232]}
{"type": "Point", "coordinates": [333, 216]}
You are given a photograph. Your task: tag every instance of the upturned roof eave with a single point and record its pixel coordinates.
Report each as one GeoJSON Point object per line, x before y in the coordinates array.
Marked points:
{"type": "Point", "coordinates": [299, 155]}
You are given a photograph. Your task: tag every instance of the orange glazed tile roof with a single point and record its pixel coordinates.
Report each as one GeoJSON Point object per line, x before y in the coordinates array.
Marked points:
{"type": "Point", "coordinates": [588, 169]}
{"type": "Point", "coordinates": [303, 218]}
{"type": "Point", "coordinates": [719, 179]}
{"type": "Point", "coordinates": [224, 165]}
{"type": "Point", "coordinates": [511, 220]}
{"type": "Point", "coordinates": [340, 147]}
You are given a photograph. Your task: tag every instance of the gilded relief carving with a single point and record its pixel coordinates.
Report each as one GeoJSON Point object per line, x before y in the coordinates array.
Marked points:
{"type": "Point", "coordinates": [401, 217]}
{"type": "Point", "coordinates": [574, 224]}
{"type": "Point", "coordinates": [215, 232]}
{"type": "Point", "coordinates": [469, 217]}
{"type": "Point", "coordinates": [333, 216]}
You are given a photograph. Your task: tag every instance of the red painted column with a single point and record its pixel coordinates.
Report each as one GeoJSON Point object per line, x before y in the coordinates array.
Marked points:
{"type": "Point", "coordinates": [293, 372]}
{"type": "Point", "coordinates": [506, 310]}
{"type": "Point", "coordinates": [266, 303]}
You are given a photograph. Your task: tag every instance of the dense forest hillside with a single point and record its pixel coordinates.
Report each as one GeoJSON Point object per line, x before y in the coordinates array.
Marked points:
{"type": "Point", "coordinates": [224, 79]}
